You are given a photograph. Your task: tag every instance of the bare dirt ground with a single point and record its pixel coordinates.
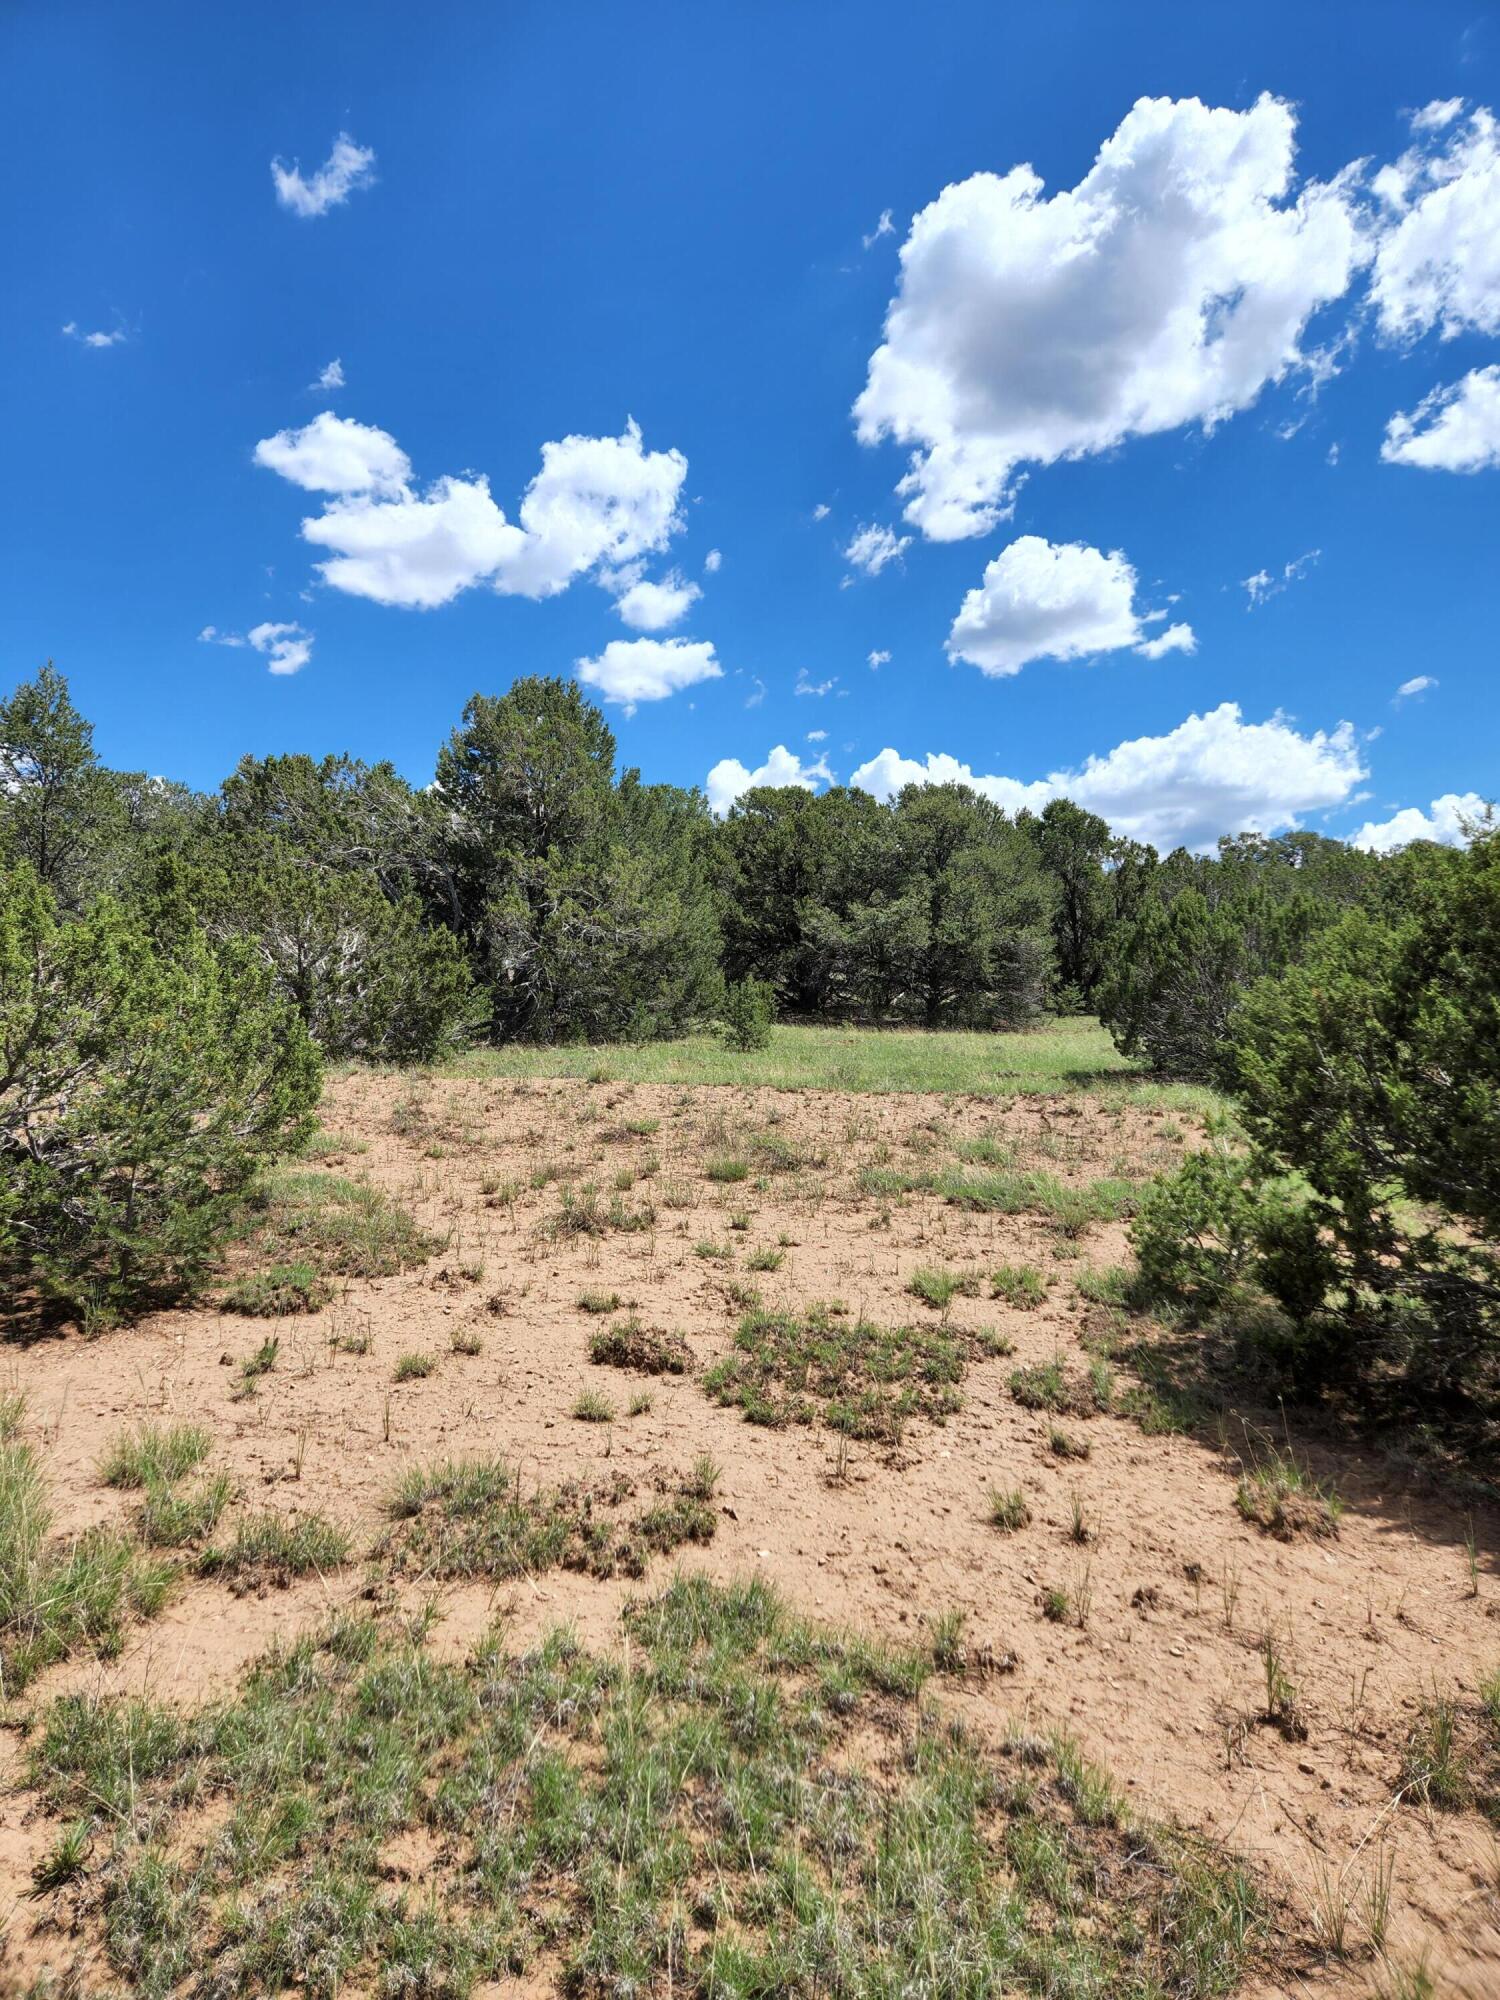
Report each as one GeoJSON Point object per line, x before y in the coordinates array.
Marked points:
{"type": "Point", "coordinates": [1162, 1678]}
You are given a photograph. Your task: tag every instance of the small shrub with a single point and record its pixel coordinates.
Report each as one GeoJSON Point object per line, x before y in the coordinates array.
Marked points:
{"type": "Point", "coordinates": [414, 1367]}
{"type": "Point", "coordinates": [592, 1408]}
{"type": "Point", "coordinates": [765, 1259]}
{"type": "Point", "coordinates": [747, 1014]}
{"type": "Point", "coordinates": [726, 1169]}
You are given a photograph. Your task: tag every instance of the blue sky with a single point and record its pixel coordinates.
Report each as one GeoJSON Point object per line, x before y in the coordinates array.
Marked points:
{"type": "Point", "coordinates": [1257, 336]}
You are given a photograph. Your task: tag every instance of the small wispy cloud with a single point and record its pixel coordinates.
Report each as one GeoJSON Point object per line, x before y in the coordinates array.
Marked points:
{"type": "Point", "coordinates": [713, 562]}
{"type": "Point", "coordinates": [873, 547]}
{"type": "Point", "coordinates": [1418, 684]}
{"type": "Point", "coordinates": [878, 659]}
{"type": "Point", "coordinates": [73, 331]}
{"type": "Point", "coordinates": [332, 376]}
{"type": "Point", "coordinates": [347, 167]}
{"type": "Point", "coordinates": [286, 647]}
{"type": "Point", "coordinates": [885, 227]}
{"type": "Point", "coordinates": [816, 689]}
{"type": "Point", "coordinates": [1265, 583]}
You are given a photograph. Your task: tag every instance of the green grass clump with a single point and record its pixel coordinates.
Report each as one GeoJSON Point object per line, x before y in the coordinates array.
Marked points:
{"type": "Point", "coordinates": [1063, 1444]}
{"type": "Point", "coordinates": [1281, 1496]}
{"type": "Point", "coordinates": [1018, 1285]}
{"type": "Point", "coordinates": [471, 1517]}
{"type": "Point", "coordinates": [594, 1408]}
{"type": "Point", "coordinates": [1050, 1386]}
{"type": "Point", "coordinates": [1073, 1209]}
{"type": "Point", "coordinates": [864, 1380]}
{"type": "Point", "coordinates": [170, 1518]}
{"type": "Point", "coordinates": [414, 1367]}
{"type": "Point", "coordinates": [726, 1168]}
{"type": "Point", "coordinates": [1008, 1509]}
{"type": "Point", "coordinates": [779, 1782]}
{"type": "Point", "coordinates": [1451, 1758]}
{"type": "Point", "coordinates": [938, 1287]}
{"type": "Point", "coordinates": [599, 1302]}
{"type": "Point", "coordinates": [272, 1549]}
{"type": "Point", "coordinates": [584, 1212]}
{"type": "Point", "coordinates": [59, 1596]}
{"type": "Point", "coordinates": [273, 1294]}
{"type": "Point", "coordinates": [154, 1455]}
{"type": "Point", "coordinates": [628, 1344]}
{"type": "Point", "coordinates": [765, 1259]}
{"type": "Point", "coordinates": [333, 1227]}
{"type": "Point", "coordinates": [1105, 1285]}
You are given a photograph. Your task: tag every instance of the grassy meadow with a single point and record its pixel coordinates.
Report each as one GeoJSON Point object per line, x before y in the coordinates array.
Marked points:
{"type": "Point", "coordinates": [1072, 1054]}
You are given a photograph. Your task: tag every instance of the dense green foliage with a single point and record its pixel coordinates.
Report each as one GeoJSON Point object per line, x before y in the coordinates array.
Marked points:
{"type": "Point", "coordinates": [1367, 1206]}
{"type": "Point", "coordinates": [934, 910]}
{"type": "Point", "coordinates": [141, 1086]}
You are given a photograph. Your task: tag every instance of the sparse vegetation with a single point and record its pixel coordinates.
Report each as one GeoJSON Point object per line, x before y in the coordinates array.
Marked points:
{"type": "Point", "coordinates": [270, 1548]}
{"type": "Point", "coordinates": [628, 1344]}
{"type": "Point", "coordinates": [470, 1517]}
{"type": "Point", "coordinates": [925, 1863]}
{"type": "Point", "coordinates": [865, 1380]}
{"type": "Point", "coordinates": [58, 1595]}
{"type": "Point", "coordinates": [333, 1227]}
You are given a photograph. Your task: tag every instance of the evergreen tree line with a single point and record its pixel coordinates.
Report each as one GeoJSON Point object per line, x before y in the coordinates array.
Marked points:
{"type": "Point", "coordinates": [175, 967]}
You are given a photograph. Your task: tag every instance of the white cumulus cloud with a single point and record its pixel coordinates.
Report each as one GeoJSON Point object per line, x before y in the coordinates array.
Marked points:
{"type": "Point", "coordinates": [1448, 821]}
{"type": "Point", "coordinates": [337, 455]}
{"type": "Point", "coordinates": [597, 504]}
{"type": "Point", "coordinates": [730, 780]}
{"type": "Point", "coordinates": [652, 607]}
{"type": "Point", "coordinates": [1213, 774]}
{"type": "Point", "coordinates": [1438, 259]}
{"type": "Point", "coordinates": [629, 671]}
{"type": "Point", "coordinates": [1455, 429]}
{"type": "Point", "coordinates": [879, 658]}
{"type": "Point", "coordinates": [1178, 638]}
{"type": "Point", "coordinates": [287, 647]}
{"type": "Point", "coordinates": [713, 562]}
{"type": "Point", "coordinates": [347, 167]}
{"type": "Point", "coordinates": [1053, 600]}
{"type": "Point", "coordinates": [1168, 287]}
{"type": "Point", "coordinates": [332, 377]}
